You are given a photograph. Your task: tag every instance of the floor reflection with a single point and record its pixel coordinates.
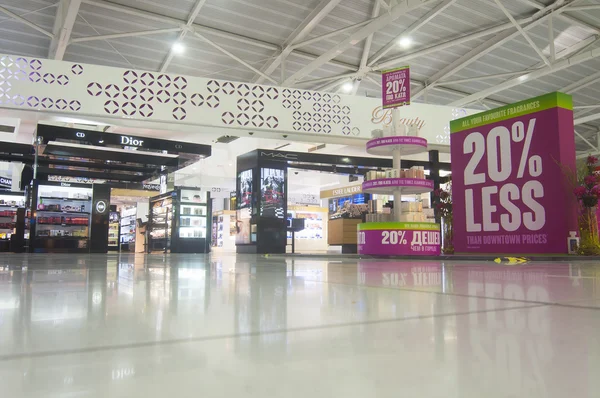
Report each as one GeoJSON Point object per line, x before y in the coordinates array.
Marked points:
{"type": "Point", "coordinates": [98, 325]}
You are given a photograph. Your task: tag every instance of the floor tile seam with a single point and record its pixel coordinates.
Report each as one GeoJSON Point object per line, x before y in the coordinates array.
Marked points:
{"type": "Point", "coordinates": [464, 295]}
{"type": "Point", "coordinates": [42, 354]}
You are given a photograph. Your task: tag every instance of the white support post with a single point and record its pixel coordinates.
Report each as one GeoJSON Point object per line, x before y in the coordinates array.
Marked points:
{"type": "Point", "coordinates": [397, 165]}
{"type": "Point", "coordinates": [66, 15]}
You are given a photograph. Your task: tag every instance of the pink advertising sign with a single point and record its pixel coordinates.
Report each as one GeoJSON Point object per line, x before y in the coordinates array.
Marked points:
{"type": "Point", "coordinates": [399, 239]}
{"type": "Point", "coordinates": [509, 188]}
{"type": "Point", "coordinates": [395, 86]}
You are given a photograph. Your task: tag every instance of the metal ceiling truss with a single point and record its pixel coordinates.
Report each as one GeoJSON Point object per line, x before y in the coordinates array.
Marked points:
{"type": "Point", "coordinates": [66, 14]}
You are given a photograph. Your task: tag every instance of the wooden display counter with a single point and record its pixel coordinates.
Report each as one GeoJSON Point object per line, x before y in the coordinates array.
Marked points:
{"type": "Point", "coordinates": [343, 232]}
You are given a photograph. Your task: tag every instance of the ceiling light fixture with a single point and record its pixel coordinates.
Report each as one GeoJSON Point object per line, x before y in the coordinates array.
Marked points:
{"type": "Point", "coordinates": [405, 42]}
{"type": "Point", "coordinates": [178, 48]}
{"type": "Point", "coordinates": [523, 78]}
{"type": "Point", "coordinates": [347, 87]}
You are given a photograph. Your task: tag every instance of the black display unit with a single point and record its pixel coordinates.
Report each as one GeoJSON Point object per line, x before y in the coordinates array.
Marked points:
{"type": "Point", "coordinates": [180, 221]}
{"type": "Point", "coordinates": [261, 204]}
{"type": "Point", "coordinates": [12, 221]}
{"type": "Point", "coordinates": [69, 217]}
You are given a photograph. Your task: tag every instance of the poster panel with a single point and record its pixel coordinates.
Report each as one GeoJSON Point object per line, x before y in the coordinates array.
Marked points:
{"type": "Point", "coordinates": [510, 184]}
{"type": "Point", "coordinates": [395, 86]}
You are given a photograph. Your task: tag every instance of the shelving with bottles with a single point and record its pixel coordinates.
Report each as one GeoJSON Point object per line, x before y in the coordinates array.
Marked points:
{"type": "Point", "coordinates": [128, 225]}
{"type": "Point", "coordinates": [113, 230]}
{"type": "Point", "coordinates": [161, 222]}
{"type": "Point", "coordinates": [62, 212]}
{"type": "Point", "coordinates": [10, 202]}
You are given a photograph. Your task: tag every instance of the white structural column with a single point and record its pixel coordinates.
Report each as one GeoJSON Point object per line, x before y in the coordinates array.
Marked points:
{"type": "Point", "coordinates": [558, 66]}
{"type": "Point", "coordinates": [66, 14]}
{"type": "Point", "coordinates": [300, 33]}
{"type": "Point", "coordinates": [356, 37]}
{"type": "Point", "coordinates": [397, 164]}
{"type": "Point", "coordinates": [192, 17]}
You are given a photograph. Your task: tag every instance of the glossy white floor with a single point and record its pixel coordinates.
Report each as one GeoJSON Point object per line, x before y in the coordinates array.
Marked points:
{"type": "Point", "coordinates": [190, 326]}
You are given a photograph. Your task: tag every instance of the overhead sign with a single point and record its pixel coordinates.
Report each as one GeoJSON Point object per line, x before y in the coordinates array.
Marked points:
{"type": "Point", "coordinates": [341, 192]}
{"type": "Point", "coordinates": [395, 86]}
{"type": "Point", "coordinates": [509, 187]}
{"type": "Point", "coordinates": [5, 182]}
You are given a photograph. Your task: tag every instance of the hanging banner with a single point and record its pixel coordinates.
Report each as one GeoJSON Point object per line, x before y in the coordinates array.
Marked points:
{"type": "Point", "coordinates": [395, 86]}
{"type": "Point", "coordinates": [510, 190]}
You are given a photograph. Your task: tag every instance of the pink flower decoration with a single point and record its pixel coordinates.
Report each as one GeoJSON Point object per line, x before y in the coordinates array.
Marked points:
{"type": "Point", "coordinates": [590, 181]}
{"type": "Point", "coordinates": [592, 160]}
{"type": "Point", "coordinates": [580, 192]}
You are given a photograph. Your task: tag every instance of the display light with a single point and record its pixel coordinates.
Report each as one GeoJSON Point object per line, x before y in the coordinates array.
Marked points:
{"type": "Point", "coordinates": [405, 42]}
{"type": "Point", "coordinates": [178, 48]}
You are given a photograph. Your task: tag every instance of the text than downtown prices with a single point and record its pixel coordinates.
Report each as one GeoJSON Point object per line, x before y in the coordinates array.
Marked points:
{"type": "Point", "coordinates": [512, 239]}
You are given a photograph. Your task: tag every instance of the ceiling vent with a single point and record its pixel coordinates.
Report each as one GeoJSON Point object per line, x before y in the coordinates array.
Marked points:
{"type": "Point", "coordinates": [7, 129]}
{"type": "Point", "coordinates": [226, 139]}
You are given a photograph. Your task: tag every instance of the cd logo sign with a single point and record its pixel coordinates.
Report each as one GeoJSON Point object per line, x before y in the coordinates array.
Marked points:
{"type": "Point", "coordinates": [80, 135]}
{"type": "Point", "coordinates": [101, 206]}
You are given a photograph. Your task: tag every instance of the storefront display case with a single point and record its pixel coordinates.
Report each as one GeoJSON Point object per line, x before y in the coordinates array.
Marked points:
{"type": "Point", "coordinates": [223, 231]}
{"type": "Point", "coordinates": [127, 235]}
{"type": "Point", "coordinates": [61, 217]}
{"type": "Point", "coordinates": [179, 221]}
{"type": "Point", "coordinates": [11, 204]}
{"type": "Point", "coordinates": [347, 207]}
{"type": "Point", "coordinates": [113, 229]}
{"type": "Point", "coordinates": [313, 238]}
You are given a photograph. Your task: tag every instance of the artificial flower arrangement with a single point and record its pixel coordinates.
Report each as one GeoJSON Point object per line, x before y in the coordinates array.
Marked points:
{"type": "Point", "coordinates": [588, 193]}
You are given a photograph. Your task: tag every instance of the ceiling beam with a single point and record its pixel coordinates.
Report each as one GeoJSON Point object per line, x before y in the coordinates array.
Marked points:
{"type": "Point", "coordinates": [356, 37]}
{"type": "Point", "coordinates": [522, 31]}
{"type": "Point", "coordinates": [300, 33]}
{"type": "Point", "coordinates": [411, 29]}
{"type": "Point", "coordinates": [565, 16]}
{"type": "Point", "coordinates": [191, 18]}
{"type": "Point", "coordinates": [366, 49]}
{"type": "Point", "coordinates": [473, 55]}
{"type": "Point", "coordinates": [26, 22]}
{"type": "Point", "coordinates": [66, 14]}
{"type": "Point", "coordinates": [487, 47]}
{"type": "Point", "coordinates": [581, 84]}
{"type": "Point", "coordinates": [125, 34]}
{"type": "Point", "coordinates": [460, 39]}
{"type": "Point", "coordinates": [585, 119]}
{"type": "Point", "coordinates": [234, 57]}
{"type": "Point", "coordinates": [558, 66]}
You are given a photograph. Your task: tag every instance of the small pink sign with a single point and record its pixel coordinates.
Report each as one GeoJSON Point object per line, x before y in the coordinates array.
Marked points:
{"type": "Point", "coordinates": [399, 243]}
{"type": "Point", "coordinates": [395, 86]}
{"type": "Point", "coordinates": [397, 140]}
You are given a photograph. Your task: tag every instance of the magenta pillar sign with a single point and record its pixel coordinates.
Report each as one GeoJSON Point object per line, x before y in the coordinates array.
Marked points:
{"type": "Point", "coordinates": [509, 188]}
{"type": "Point", "coordinates": [395, 86]}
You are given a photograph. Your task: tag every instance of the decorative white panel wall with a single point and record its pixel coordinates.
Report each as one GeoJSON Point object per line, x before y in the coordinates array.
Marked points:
{"type": "Point", "coordinates": [63, 87]}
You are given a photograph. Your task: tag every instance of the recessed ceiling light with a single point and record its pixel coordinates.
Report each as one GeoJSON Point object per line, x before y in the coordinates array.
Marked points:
{"type": "Point", "coordinates": [405, 42]}
{"type": "Point", "coordinates": [523, 78]}
{"type": "Point", "coordinates": [178, 48]}
{"type": "Point", "coordinates": [347, 87]}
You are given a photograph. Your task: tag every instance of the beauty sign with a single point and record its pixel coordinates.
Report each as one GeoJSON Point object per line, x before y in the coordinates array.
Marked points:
{"type": "Point", "coordinates": [509, 188]}
{"type": "Point", "coordinates": [395, 85]}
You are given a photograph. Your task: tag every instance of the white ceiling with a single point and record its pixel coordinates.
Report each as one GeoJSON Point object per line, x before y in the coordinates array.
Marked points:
{"type": "Point", "coordinates": [453, 41]}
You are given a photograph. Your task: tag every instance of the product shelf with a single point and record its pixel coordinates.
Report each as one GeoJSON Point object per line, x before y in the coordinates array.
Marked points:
{"type": "Point", "coordinates": [405, 145]}
{"type": "Point", "coordinates": [409, 186]}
